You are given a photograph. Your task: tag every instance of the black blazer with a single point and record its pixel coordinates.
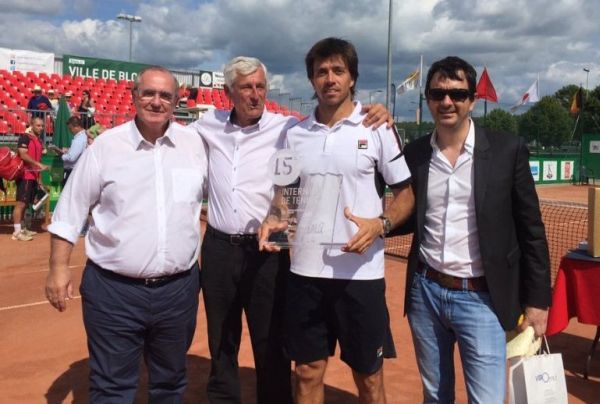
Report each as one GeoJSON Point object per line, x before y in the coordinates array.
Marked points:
{"type": "Point", "coordinates": [512, 239]}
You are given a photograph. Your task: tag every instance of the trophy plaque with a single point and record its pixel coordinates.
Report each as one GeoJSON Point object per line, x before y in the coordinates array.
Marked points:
{"type": "Point", "coordinates": [307, 197]}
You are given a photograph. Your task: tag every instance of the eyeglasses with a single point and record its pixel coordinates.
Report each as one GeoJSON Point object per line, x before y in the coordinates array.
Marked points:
{"type": "Point", "coordinates": [455, 94]}
{"type": "Point", "coordinates": [147, 95]}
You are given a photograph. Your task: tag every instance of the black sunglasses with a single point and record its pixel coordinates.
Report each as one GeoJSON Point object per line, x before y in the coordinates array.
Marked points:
{"type": "Point", "coordinates": [455, 94]}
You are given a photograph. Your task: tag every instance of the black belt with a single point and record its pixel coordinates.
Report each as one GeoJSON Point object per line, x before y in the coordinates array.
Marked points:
{"type": "Point", "coordinates": [149, 282]}
{"type": "Point", "coordinates": [233, 239]}
{"type": "Point", "coordinates": [477, 284]}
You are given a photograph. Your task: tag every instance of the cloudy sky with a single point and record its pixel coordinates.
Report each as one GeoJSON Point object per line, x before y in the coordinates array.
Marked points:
{"type": "Point", "coordinates": [515, 39]}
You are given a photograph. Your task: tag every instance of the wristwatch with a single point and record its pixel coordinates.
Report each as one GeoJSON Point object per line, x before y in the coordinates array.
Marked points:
{"type": "Point", "coordinates": [387, 225]}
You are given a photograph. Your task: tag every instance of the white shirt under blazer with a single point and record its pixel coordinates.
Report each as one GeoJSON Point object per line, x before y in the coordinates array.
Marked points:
{"type": "Point", "coordinates": [240, 189]}
{"type": "Point", "coordinates": [451, 240]}
{"type": "Point", "coordinates": [144, 199]}
{"type": "Point", "coordinates": [359, 154]}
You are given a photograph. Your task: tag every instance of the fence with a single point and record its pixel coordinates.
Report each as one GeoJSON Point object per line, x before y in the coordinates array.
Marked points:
{"type": "Point", "coordinates": [566, 225]}
{"type": "Point", "coordinates": [14, 121]}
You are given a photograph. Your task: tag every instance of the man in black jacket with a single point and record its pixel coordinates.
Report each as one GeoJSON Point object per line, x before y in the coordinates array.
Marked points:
{"type": "Point", "coordinates": [479, 257]}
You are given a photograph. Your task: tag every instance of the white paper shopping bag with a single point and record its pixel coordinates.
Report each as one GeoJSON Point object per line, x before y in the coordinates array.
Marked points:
{"type": "Point", "coordinates": [538, 379]}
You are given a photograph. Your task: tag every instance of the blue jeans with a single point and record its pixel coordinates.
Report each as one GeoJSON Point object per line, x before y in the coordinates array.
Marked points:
{"type": "Point", "coordinates": [438, 318]}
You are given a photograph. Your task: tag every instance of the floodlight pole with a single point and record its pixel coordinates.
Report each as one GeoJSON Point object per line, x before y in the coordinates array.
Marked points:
{"type": "Point", "coordinates": [389, 57]}
{"type": "Point", "coordinates": [131, 19]}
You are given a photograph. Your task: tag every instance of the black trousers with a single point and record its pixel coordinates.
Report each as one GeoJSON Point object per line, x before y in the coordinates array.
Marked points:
{"type": "Point", "coordinates": [236, 278]}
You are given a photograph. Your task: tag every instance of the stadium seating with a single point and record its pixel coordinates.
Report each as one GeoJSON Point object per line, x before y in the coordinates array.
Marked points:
{"type": "Point", "coordinates": [113, 100]}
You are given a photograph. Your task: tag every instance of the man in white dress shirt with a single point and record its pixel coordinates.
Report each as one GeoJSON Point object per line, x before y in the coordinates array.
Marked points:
{"type": "Point", "coordinates": [142, 182]}
{"type": "Point", "coordinates": [235, 275]}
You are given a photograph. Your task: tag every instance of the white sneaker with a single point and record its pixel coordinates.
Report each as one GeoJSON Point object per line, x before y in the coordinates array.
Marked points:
{"type": "Point", "coordinates": [20, 236]}
{"type": "Point", "coordinates": [29, 233]}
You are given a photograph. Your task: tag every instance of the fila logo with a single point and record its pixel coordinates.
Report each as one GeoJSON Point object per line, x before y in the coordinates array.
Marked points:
{"type": "Point", "coordinates": [363, 144]}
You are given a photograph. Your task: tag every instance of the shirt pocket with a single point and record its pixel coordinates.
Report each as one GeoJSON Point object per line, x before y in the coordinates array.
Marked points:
{"type": "Point", "coordinates": [187, 185]}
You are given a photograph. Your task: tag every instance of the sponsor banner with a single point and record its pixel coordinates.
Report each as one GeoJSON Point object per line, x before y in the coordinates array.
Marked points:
{"type": "Point", "coordinates": [26, 61]}
{"type": "Point", "coordinates": [534, 166]}
{"type": "Point", "coordinates": [218, 80]}
{"type": "Point", "coordinates": [206, 79]}
{"type": "Point", "coordinates": [550, 171]}
{"type": "Point", "coordinates": [566, 170]}
{"type": "Point", "coordinates": [100, 68]}
{"type": "Point", "coordinates": [211, 79]}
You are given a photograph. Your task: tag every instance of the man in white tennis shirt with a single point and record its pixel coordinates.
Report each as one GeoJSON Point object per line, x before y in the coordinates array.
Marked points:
{"type": "Point", "coordinates": [337, 294]}
{"type": "Point", "coordinates": [142, 182]}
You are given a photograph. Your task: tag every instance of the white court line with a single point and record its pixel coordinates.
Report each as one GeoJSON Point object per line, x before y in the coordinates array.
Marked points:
{"type": "Point", "coordinates": [21, 306]}
{"type": "Point", "coordinates": [46, 270]}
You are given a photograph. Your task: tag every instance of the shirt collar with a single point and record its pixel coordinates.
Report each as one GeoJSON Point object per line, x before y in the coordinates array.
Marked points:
{"type": "Point", "coordinates": [138, 140]}
{"type": "Point", "coordinates": [260, 125]}
{"type": "Point", "coordinates": [469, 144]}
{"type": "Point", "coordinates": [355, 117]}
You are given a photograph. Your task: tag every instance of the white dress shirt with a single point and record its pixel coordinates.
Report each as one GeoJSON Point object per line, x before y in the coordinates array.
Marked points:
{"type": "Point", "coordinates": [239, 188]}
{"type": "Point", "coordinates": [145, 201]}
{"type": "Point", "coordinates": [354, 155]}
{"type": "Point", "coordinates": [450, 241]}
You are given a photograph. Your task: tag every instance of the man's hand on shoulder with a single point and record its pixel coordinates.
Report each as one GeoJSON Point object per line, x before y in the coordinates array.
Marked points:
{"type": "Point", "coordinates": [377, 115]}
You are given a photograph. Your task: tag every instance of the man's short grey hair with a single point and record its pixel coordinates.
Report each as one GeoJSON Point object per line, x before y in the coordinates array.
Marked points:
{"type": "Point", "coordinates": [243, 65]}
{"type": "Point", "coordinates": [136, 81]}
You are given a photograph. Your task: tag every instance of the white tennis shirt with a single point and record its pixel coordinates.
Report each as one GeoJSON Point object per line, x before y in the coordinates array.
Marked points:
{"type": "Point", "coordinates": [357, 155]}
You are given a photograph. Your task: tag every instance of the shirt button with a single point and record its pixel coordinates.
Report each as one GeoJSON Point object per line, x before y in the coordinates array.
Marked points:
{"type": "Point", "coordinates": [235, 211]}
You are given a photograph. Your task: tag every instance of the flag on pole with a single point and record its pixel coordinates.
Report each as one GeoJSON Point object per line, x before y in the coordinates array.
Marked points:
{"type": "Point", "coordinates": [62, 136]}
{"type": "Point", "coordinates": [532, 95]}
{"type": "Point", "coordinates": [410, 83]}
{"type": "Point", "coordinates": [485, 88]}
{"type": "Point", "coordinates": [577, 102]}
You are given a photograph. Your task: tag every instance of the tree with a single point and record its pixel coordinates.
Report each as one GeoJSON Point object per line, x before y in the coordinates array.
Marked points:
{"type": "Point", "coordinates": [565, 95]}
{"type": "Point", "coordinates": [547, 122]}
{"type": "Point", "coordinates": [590, 119]}
{"type": "Point", "coordinates": [411, 129]}
{"type": "Point", "coordinates": [498, 119]}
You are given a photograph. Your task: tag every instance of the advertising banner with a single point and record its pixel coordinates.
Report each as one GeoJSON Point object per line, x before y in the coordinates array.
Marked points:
{"type": "Point", "coordinates": [534, 166]}
{"type": "Point", "coordinates": [211, 79]}
{"type": "Point", "coordinates": [100, 68]}
{"type": "Point", "coordinates": [566, 170]}
{"type": "Point", "coordinates": [550, 171]}
{"type": "Point", "coordinates": [218, 80]}
{"type": "Point", "coordinates": [26, 61]}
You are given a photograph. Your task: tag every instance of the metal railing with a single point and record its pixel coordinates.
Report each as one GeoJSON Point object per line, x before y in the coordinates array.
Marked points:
{"type": "Point", "coordinates": [15, 121]}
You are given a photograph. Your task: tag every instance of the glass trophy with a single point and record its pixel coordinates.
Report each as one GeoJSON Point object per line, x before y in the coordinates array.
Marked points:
{"type": "Point", "coordinates": [307, 196]}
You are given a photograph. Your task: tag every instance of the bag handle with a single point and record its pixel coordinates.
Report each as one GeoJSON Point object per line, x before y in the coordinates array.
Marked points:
{"type": "Point", "coordinates": [544, 348]}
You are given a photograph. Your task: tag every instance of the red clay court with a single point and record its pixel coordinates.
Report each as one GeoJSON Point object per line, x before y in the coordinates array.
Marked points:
{"type": "Point", "coordinates": [43, 352]}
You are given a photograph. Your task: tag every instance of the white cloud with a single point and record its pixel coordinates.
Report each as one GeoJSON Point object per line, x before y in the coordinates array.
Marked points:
{"type": "Point", "coordinates": [31, 7]}
{"type": "Point", "coordinates": [515, 39]}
